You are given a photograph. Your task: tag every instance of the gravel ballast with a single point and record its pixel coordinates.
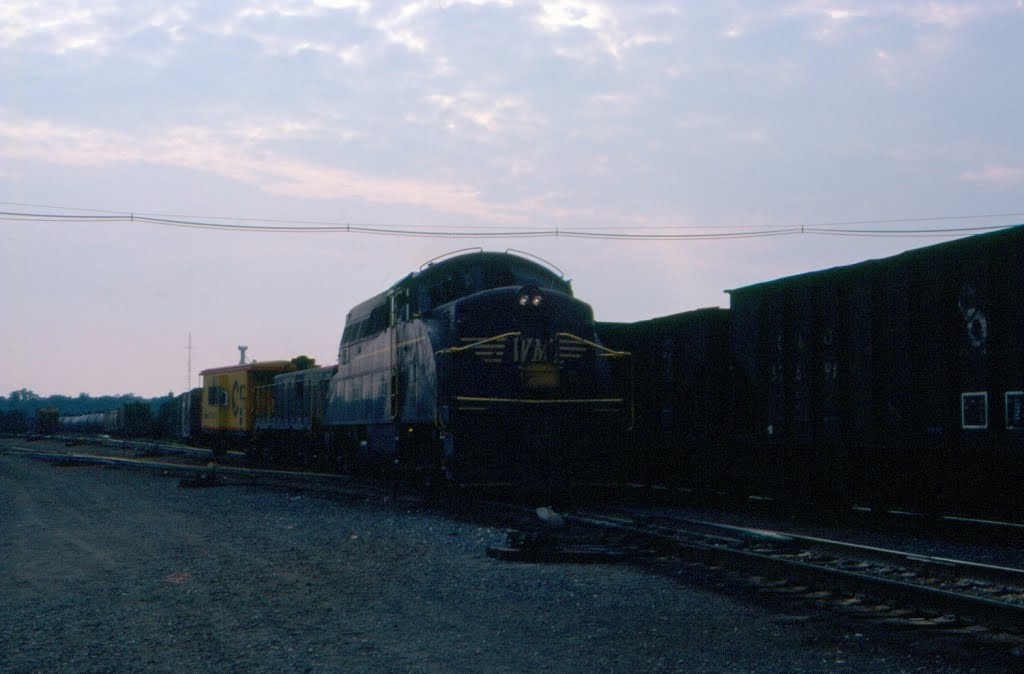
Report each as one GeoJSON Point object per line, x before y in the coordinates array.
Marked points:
{"type": "Point", "coordinates": [119, 570]}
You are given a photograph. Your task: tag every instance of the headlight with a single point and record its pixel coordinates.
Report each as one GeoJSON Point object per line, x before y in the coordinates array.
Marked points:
{"type": "Point", "coordinates": [530, 296]}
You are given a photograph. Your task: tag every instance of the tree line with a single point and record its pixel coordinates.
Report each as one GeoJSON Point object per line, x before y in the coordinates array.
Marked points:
{"type": "Point", "coordinates": [19, 409]}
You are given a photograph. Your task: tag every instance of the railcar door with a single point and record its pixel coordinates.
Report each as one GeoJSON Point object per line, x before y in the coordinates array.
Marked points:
{"type": "Point", "coordinates": [398, 314]}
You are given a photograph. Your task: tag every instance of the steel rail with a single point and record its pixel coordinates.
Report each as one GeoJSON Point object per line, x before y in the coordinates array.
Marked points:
{"type": "Point", "coordinates": [772, 550]}
{"type": "Point", "coordinates": [218, 469]}
{"type": "Point", "coordinates": [941, 566]}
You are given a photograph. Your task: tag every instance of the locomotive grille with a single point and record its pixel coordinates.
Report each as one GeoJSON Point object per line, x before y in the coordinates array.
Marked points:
{"type": "Point", "coordinates": [570, 350]}
{"type": "Point", "coordinates": [490, 351]}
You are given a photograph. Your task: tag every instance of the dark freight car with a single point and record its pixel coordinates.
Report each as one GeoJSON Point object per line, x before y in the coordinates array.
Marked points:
{"type": "Point", "coordinates": [680, 398]}
{"type": "Point", "coordinates": [294, 430]}
{"type": "Point", "coordinates": [895, 382]}
{"type": "Point", "coordinates": [132, 420]}
{"type": "Point", "coordinates": [180, 416]}
{"type": "Point", "coordinates": [47, 421]}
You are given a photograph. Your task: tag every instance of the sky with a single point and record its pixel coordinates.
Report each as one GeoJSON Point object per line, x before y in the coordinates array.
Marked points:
{"type": "Point", "coordinates": [658, 153]}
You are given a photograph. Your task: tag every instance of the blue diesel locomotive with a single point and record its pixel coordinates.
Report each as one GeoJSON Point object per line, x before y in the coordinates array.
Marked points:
{"type": "Point", "coordinates": [481, 368]}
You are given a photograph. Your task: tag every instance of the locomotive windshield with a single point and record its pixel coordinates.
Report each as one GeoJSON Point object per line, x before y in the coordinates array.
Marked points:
{"type": "Point", "coordinates": [446, 282]}
{"type": "Point", "coordinates": [469, 274]}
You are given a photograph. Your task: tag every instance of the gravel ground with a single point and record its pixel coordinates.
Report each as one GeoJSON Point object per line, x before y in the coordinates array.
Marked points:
{"type": "Point", "coordinates": [119, 570]}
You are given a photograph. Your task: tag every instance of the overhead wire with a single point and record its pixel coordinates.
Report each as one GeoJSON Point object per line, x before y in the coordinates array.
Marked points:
{"type": "Point", "coordinates": [650, 233]}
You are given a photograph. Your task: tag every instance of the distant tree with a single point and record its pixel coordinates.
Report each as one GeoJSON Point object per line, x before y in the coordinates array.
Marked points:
{"type": "Point", "coordinates": [303, 362]}
{"type": "Point", "coordinates": [23, 395]}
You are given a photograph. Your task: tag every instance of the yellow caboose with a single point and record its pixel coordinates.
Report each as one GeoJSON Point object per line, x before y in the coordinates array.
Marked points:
{"type": "Point", "coordinates": [235, 395]}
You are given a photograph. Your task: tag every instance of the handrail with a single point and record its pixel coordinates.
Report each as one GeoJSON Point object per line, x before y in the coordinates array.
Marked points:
{"type": "Point", "coordinates": [561, 273]}
{"type": "Point", "coordinates": [608, 353]}
{"type": "Point", "coordinates": [454, 252]}
{"type": "Point", "coordinates": [457, 349]}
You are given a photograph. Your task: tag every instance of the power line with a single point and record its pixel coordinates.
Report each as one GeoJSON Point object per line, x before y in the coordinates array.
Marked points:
{"type": "Point", "coordinates": [331, 223]}
{"type": "Point", "coordinates": [665, 233]}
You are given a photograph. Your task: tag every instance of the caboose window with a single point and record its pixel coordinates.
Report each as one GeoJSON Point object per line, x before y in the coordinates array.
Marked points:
{"type": "Point", "coordinates": [974, 410]}
{"type": "Point", "coordinates": [217, 396]}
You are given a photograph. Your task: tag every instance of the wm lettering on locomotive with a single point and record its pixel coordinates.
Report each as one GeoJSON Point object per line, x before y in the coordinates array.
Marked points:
{"type": "Point", "coordinates": [515, 350]}
{"type": "Point", "coordinates": [529, 350]}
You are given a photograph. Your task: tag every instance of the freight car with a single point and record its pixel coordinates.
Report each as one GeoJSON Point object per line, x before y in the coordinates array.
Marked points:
{"type": "Point", "coordinates": [895, 382]}
{"type": "Point", "coordinates": [481, 368]}
{"type": "Point", "coordinates": [180, 416]}
{"type": "Point", "coordinates": [292, 429]}
{"type": "Point", "coordinates": [129, 420]}
{"type": "Point", "coordinates": [91, 422]}
{"type": "Point", "coordinates": [892, 383]}
{"type": "Point", "coordinates": [681, 402]}
{"type": "Point", "coordinates": [47, 421]}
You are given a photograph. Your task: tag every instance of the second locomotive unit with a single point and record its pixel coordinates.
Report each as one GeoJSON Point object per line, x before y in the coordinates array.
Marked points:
{"type": "Point", "coordinates": [479, 369]}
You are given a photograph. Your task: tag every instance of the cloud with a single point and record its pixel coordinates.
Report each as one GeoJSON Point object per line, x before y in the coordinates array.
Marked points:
{"type": "Point", "coordinates": [995, 175]}
{"type": "Point", "coordinates": [577, 20]}
{"type": "Point", "coordinates": [480, 111]}
{"type": "Point", "coordinates": [832, 15]}
{"type": "Point", "coordinates": [556, 15]}
{"type": "Point", "coordinates": [944, 14]}
{"type": "Point", "coordinates": [56, 27]}
{"type": "Point", "coordinates": [294, 8]}
{"type": "Point", "coordinates": [232, 154]}
{"type": "Point", "coordinates": [352, 55]}
{"type": "Point", "coordinates": [67, 28]}
{"type": "Point", "coordinates": [471, 94]}
{"type": "Point", "coordinates": [65, 144]}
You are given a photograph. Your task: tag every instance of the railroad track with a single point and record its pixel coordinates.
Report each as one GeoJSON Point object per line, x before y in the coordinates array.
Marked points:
{"type": "Point", "coordinates": [192, 465]}
{"type": "Point", "coordinates": [945, 592]}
